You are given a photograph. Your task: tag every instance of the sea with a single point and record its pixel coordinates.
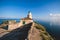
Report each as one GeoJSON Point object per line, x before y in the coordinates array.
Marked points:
{"type": "Point", "coordinates": [53, 30]}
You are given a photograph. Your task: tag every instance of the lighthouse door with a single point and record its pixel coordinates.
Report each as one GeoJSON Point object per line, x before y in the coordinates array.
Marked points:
{"type": "Point", "coordinates": [23, 22]}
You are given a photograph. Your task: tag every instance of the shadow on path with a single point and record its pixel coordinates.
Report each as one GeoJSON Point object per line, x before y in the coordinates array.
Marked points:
{"type": "Point", "coordinates": [18, 34]}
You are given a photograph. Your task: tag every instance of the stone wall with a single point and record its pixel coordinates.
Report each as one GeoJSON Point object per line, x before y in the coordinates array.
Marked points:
{"type": "Point", "coordinates": [14, 25]}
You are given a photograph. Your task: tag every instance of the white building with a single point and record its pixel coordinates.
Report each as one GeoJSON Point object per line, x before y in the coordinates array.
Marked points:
{"type": "Point", "coordinates": [22, 22]}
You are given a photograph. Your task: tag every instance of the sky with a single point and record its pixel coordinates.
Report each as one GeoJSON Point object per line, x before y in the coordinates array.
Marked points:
{"type": "Point", "coordinates": [19, 8]}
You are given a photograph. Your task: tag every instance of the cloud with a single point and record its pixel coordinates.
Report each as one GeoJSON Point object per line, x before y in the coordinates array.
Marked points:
{"type": "Point", "coordinates": [54, 15]}
{"type": "Point", "coordinates": [55, 19]}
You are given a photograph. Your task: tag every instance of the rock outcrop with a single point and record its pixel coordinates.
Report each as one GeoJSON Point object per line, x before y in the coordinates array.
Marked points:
{"type": "Point", "coordinates": [38, 32]}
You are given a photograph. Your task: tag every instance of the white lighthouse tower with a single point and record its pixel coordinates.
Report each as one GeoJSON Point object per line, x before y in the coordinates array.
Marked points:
{"type": "Point", "coordinates": [29, 15]}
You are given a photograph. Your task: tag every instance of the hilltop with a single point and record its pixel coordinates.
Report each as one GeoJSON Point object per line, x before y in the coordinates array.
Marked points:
{"type": "Point", "coordinates": [38, 32]}
{"type": "Point", "coordinates": [25, 29]}
{"type": "Point", "coordinates": [28, 31]}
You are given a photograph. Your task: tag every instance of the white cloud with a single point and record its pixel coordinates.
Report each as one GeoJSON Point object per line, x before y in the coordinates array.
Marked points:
{"type": "Point", "coordinates": [55, 19]}
{"type": "Point", "coordinates": [50, 14]}
{"type": "Point", "coordinates": [55, 15]}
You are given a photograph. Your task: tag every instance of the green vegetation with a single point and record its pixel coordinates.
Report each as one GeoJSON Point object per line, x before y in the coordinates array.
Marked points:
{"type": "Point", "coordinates": [23, 22]}
{"type": "Point", "coordinates": [40, 27]}
{"type": "Point", "coordinates": [45, 35]}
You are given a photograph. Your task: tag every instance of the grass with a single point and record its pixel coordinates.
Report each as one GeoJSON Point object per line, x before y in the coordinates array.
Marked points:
{"type": "Point", "coordinates": [40, 27]}
{"type": "Point", "coordinates": [45, 35]}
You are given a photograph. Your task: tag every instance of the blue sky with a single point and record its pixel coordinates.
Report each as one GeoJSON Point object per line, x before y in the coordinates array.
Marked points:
{"type": "Point", "coordinates": [20, 8]}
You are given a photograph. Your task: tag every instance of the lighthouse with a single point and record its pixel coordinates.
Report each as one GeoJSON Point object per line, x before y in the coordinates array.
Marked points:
{"type": "Point", "coordinates": [29, 15]}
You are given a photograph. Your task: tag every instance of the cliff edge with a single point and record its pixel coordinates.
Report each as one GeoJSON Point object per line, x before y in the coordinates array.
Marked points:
{"type": "Point", "coordinates": [31, 31]}
{"type": "Point", "coordinates": [38, 32]}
